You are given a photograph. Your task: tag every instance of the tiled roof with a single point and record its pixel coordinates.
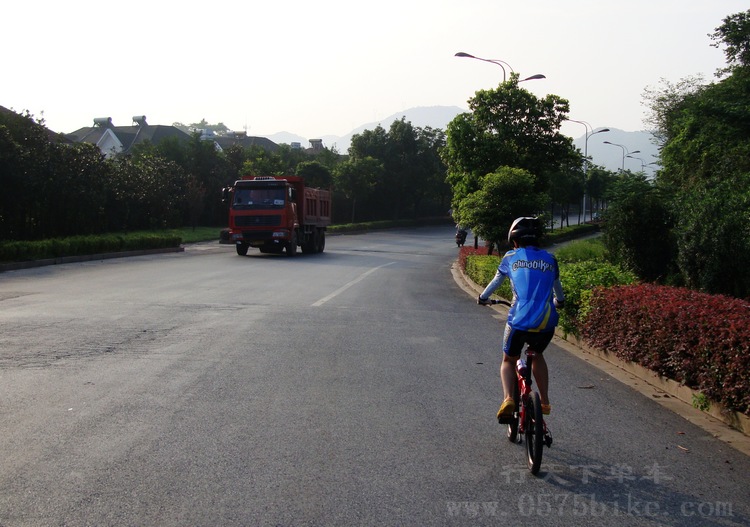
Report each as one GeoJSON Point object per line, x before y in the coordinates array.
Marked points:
{"type": "Point", "coordinates": [246, 142]}
{"type": "Point", "coordinates": [129, 136]}
{"type": "Point", "coordinates": [133, 135]}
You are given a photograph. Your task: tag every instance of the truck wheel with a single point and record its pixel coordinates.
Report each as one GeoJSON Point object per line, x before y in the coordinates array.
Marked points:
{"type": "Point", "coordinates": [310, 244]}
{"type": "Point", "coordinates": [322, 241]}
{"type": "Point", "coordinates": [291, 248]}
{"type": "Point", "coordinates": [242, 248]}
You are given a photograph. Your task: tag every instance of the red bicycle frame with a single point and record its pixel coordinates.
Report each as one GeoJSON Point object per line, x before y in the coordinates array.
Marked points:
{"type": "Point", "coordinates": [524, 392]}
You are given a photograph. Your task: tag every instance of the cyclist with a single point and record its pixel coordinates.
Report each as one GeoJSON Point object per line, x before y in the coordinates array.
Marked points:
{"type": "Point", "coordinates": [535, 280]}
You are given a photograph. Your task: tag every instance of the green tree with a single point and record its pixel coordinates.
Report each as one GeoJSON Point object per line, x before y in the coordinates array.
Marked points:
{"type": "Point", "coordinates": [507, 126]}
{"type": "Point", "coordinates": [356, 179]}
{"type": "Point", "coordinates": [429, 184]}
{"type": "Point", "coordinates": [566, 187]}
{"type": "Point", "coordinates": [25, 154]}
{"type": "Point", "coordinates": [236, 156]}
{"type": "Point", "coordinates": [145, 192]}
{"type": "Point", "coordinates": [412, 171]}
{"type": "Point", "coordinates": [503, 196]}
{"type": "Point", "coordinates": [214, 172]}
{"type": "Point", "coordinates": [733, 35]}
{"type": "Point", "coordinates": [705, 159]}
{"type": "Point", "coordinates": [315, 174]}
{"type": "Point", "coordinates": [74, 197]}
{"type": "Point", "coordinates": [205, 125]}
{"type": "Point", "coordinates": [638, 233]}
{"type": "Point", "coordinates": [371, 144]}
{"type": "Point", "coordinates": [261, 162]}
{"type": "Point", "coordinates": [713, 236]}
{"type": "Point", "coordinates": [598, 184]}
{"type": "Point", "coordinates": [289, 159]}
{"type": "Point", "coordinates": [195, 200]}
{"type": "Point", "coordinates": [402, 177]}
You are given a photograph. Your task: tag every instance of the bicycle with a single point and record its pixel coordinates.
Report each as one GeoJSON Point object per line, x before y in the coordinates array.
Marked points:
{"type": "Point", "coordinates": [527, 420]}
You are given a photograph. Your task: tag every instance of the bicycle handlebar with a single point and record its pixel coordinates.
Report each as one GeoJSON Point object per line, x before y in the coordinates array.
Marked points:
{"type": "Point", "coordinates": [503, 302]}
{"type": "Point", "coordinates": [493, 301]}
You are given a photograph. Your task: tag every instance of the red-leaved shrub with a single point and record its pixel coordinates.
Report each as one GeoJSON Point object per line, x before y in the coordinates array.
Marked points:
{"type": "Point", "coordinates": [469, 250]}
{"type": "Point", "coordinates": [700, 340]}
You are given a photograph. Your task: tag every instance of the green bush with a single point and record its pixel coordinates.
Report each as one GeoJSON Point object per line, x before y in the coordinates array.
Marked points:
{"type": "Point", "coordinates": [581, 270]}
{"type": "Point", "coordinates": [19, 251]}
{"type": "Point", "coordinates": [569, 233]}
{"type": "Point", "coordinates": [582, 251]}
{"type": "Point", "coordinates": [579, 279]}
{"type": "Point", "coordinates": [482, 269]}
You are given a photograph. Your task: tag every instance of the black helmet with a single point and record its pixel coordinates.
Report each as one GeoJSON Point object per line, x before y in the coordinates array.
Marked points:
{"type": "Point", "coordinates": [525, 228]}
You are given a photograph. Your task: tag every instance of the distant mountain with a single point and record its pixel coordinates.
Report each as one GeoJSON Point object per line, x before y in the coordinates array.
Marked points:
{"type": "Point", "coordinates": [609, 156]}
{"type": "Point", "coordinates": [422, 117]}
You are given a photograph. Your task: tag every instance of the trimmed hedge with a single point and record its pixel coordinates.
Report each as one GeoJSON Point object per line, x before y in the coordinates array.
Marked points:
{"type": "Point", "coordinates": [578, 279]}
{"type": "Point", "coordinates": [700, 340]}
{"type": "Point", "coordinates": [18, 251]}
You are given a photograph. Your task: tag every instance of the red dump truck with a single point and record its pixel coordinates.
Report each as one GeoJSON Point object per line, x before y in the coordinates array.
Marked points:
{"type": "Point", "coordinates": [277, 214]}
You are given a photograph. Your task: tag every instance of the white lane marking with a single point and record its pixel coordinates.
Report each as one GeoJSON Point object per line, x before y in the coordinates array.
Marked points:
{"type": "Point", "coordinates": [348, 285]}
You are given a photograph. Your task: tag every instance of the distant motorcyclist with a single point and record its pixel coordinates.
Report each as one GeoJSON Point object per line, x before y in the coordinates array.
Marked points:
{"type": "Point", "coordinates": [461, 233]}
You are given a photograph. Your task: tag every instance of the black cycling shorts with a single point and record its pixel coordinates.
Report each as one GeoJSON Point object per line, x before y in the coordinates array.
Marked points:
{"type": "Point", "coordinates": [514, 339]}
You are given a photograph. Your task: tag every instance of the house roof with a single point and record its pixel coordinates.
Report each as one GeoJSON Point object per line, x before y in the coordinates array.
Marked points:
{"type": "Point", "coordinates": [129, 136]}
{"type": "Point", "coordinates": [225, 141]}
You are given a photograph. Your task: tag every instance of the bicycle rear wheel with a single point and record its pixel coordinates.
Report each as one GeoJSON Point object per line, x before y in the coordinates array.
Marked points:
{"type": "Point", "coordinates": [534, 430]}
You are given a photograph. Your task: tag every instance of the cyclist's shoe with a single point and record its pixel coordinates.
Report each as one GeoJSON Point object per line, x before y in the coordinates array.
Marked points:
{"type": "Point", "coordinates": [506, 410]}
{"type": "Point", "coordinates": [546, 409]}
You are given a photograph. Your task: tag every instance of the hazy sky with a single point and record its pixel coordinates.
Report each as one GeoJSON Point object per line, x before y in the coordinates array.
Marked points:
{"type": "Point", "coordinates": [324, 67]}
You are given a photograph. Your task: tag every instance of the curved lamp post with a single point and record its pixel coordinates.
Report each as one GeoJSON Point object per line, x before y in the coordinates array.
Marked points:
{"type": "Point", "coordinates": [624, 152]}
{"type": "Point", "coordinates": [643, 162]}
{"type": "Point", "coordinates": [586, 155]}
{"type": "Point", "coordinates": [499, 63]}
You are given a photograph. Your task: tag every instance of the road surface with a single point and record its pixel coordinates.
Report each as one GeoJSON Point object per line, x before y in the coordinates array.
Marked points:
{"type": "Point", "coordinates": [357, 387]}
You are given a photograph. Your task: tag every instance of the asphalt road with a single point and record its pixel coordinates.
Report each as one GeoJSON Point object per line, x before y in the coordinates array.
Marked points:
{"type": "Point", "coordinates": [352, 388]}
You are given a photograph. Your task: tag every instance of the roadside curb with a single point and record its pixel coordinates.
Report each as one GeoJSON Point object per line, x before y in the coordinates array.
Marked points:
{"type": "Point", "coordinates": [732, 428]}
{"type": "Point", "coordinates": [15, 266]}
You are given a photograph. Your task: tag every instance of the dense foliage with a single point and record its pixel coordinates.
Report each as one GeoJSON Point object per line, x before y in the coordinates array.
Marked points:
{"type": "Point", "coordinates": [638, 232]}
{"type": "Point", "coordinates": [51, 188]}
{"type": "Point", "coordinates": [489, 210]}
{"type": "Point", "coordinates": [579, 279]}
{"type": "Point", "coordinates": [394, 174]}
{"type": "Point", "coordinates": [697, 339]}
{"type": "Point", "coordinates": [510, 129]}
{"type": "Point", "coordinates": [20, 251]}
{"type": "Point", "coordinates": [704, 183]}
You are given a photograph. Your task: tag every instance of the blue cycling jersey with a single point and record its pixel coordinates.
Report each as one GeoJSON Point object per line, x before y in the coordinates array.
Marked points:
{"type": "Point", "coordinates": [534, 278]}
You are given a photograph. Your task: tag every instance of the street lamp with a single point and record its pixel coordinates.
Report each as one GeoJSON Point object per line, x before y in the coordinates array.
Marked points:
{"type": "Point", "coordinates": [624, 152]}
{"type": "Point", "coordinates": [493, 61]}
{"type": "Point", "coordinates": [643, 162]}
{"type": "Point", "coordinates": [499, 63]}
{"type": "Point", "coordinates": [586, 156]}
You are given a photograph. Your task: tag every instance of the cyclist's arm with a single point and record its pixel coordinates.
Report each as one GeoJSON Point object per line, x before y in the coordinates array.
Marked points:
{"type": "Point", "coordinates": [494, 284]}
{"type": "Point", "coordinates": [557, 290]}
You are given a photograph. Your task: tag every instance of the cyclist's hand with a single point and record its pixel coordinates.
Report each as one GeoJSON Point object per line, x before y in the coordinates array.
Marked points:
{"type": "Point", "coordinates": [559, 303]}
{"type": "Point", "coordinates": [482, 302]}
